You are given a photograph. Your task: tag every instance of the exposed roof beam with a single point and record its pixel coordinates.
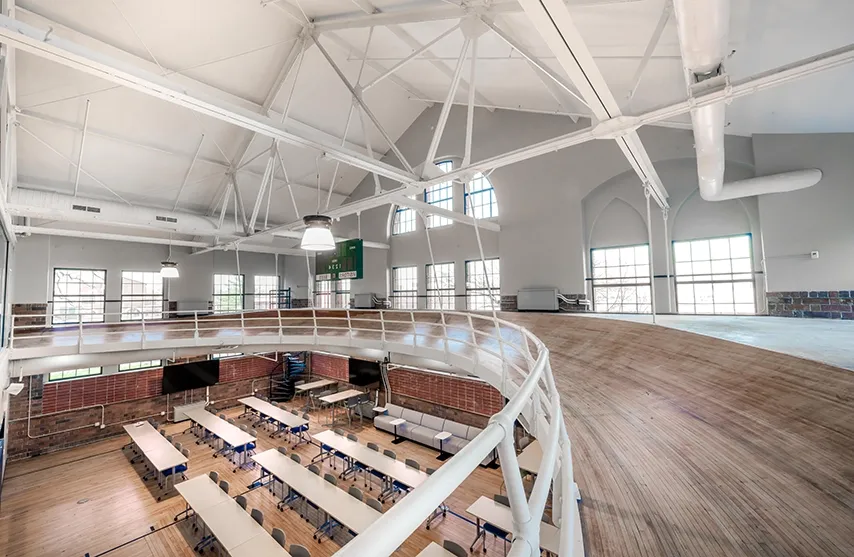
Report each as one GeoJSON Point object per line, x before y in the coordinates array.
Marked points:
{"type": "Point", "coordinates": [650, 47]}
{"type": "Point", "coordinates": [426, 208]}
{"type": "Point", "coordinates": [426, 12]}
{"type": "Point", "coordinates": [47, 45]}
{"type": "Point", "coordinates": [552, 19]}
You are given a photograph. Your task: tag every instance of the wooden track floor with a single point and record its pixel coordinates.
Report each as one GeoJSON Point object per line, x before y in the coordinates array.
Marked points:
{"type": "Point", "coordinates": [91, 499]}
{"type": "Point", "coordinates": [683, 445]}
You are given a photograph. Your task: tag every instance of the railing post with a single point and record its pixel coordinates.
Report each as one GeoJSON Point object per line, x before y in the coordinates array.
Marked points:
{"type": "Point", "coordinates": [196, 326]}
{"type": "Point", "coordinates": [142, 340]}
{"type": "Point", "coordinates": [349, 327]}
{"type": "Point", "coordinates": [474, 341]}
{"type": "Point", "coordinates": [414, 329]}
{"type": "Point", "coordinates": [382, 324]}
{"type": "Point", "coordinates": [79, 331]}
{"type": "Point", "coordinates": [242, 326]}
{"type": "Point", "coordinates": [281, 331]}
{"type": "Point", "coordinates": [314, 320]}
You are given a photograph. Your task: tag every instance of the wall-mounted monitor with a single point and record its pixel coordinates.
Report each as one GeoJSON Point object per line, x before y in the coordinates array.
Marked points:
{"type": "Point", "coordinates": [194, 375]}
{"type": "Point", "coordinates": [364, 372]}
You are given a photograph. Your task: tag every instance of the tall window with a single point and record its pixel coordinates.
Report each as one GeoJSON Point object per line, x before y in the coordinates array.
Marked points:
{"type": "Point", "coordinates": [441, 195]}
{"type": "Point", "coordinates": [715, 276]}
{"type": "Point", "coordinates": [228, 293]}
{"type": "Point", "coordinates": [480, 198]}
{"type": "Point", "coordinates": [404, 220]}
{"type": "Point", "coordinates": [137, 366]}
{"type": "Point", "coordinates": [404, 285]}
{"type": "Point", "coordinates": [74, 373]}
{"type": "Point", "coordinates": [342, 293]}
{"type": "Point", "coordinates": [79, 294]}
{"type": "Point", "coordinates": [483, 286]}
{"type": "Point", "coordinates": [323, 294]}
{"type": "Point", "coordinates": [265, 291]}
{"type": "Point", "coordinates": [440, 286]}
{"type": "Point", "coordinates": [621, 280]}
{"type": "Point", "coordinates": [142, 295]}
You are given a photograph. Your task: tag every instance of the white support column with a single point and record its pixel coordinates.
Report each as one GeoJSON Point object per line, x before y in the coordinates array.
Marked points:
{"type": "Point", "coordinates": [647, 192]}
{"type": "Point", "coordinates": [669, 252]}
{"type": "Point", "coordinates": [240, 209]}
{"type": "Point", "coordinates": [82, 146]}
{"type": "Point", "coordinates": [470, 107]}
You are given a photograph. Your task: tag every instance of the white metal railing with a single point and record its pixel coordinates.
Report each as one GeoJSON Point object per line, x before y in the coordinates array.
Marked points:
{"type": "Point", "coordinates": [506, 355]}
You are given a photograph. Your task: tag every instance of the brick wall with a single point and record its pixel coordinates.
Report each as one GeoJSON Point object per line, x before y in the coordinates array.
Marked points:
{"type": "Point", "coordinates": [23, 310]}
{"type": "Point", "coordinates": [63, 414]}
{"type": "Point", "coordinates": [827, 304]}
{"type": "Point", "coordinates": [454, 393]}
{"type": "Point", "coordinates": [333, 367]}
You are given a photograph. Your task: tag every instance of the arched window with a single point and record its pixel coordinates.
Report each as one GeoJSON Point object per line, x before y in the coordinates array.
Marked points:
{"type": "Point", "coordinates": [441, 195]}
{"type": "Point", "coordinates": [480, 198]}
{"type": "Point", "coordinates": [404, 221]}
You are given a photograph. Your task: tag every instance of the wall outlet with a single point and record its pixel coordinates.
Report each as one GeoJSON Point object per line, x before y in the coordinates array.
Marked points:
{"type": "Point", "coordinates": [814, 254]}
{"type": "Point", "coordinates": [162, 412]}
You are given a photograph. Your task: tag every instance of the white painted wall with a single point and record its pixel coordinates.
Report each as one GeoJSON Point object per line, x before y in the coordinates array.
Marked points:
{"type": "Point", "coordinates": [37, 256]}
{"type": "Point", "coordinates": [818, 218]}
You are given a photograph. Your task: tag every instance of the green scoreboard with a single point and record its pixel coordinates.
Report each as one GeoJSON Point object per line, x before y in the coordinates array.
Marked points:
{"type": "Point", "coordinates": [344, 262]}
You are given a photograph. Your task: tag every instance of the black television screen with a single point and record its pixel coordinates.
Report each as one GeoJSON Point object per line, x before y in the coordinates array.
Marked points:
{"type": "Point", "coordinates": [364, 372]}
{"type": "Point", "coordinates": [194, 375]}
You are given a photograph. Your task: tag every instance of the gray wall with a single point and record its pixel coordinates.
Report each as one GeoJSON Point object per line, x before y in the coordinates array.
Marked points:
{"type": "Point", "coordinates": [554, 208]}
{"type": "Point", "coordinates": [819, 218]}
{"type": "Point", "coordinates": [37, 256]}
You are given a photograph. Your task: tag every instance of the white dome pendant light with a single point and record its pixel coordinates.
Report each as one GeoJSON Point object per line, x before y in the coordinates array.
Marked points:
{"type": "Point", "coordinates": [168, 268]}
{"type": "Point", "coordinates": [318, 228]}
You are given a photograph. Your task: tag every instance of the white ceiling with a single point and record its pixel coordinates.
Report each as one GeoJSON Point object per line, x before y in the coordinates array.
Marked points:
{"type": "Point", "coordinates": [141, 147]}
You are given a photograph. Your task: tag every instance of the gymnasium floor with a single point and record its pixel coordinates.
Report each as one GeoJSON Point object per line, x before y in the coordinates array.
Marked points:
{"type": "Point", "coordinates": [92, 500]}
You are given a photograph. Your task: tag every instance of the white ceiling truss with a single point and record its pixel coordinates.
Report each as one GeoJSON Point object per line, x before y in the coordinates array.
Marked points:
{"type": "Point", "coordinates": [329, 96]}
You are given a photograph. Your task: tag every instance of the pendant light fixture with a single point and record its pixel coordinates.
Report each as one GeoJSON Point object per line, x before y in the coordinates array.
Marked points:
{"type": "Point", "coordinates": [318, 228]}
{"type": "Point", "coordinates": [168, 268]}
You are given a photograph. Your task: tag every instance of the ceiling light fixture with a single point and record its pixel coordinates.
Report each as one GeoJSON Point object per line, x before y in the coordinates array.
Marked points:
{"type": "Point", "coordinates": [168, 268]}
{"type": "Point", "coordinates": [318, 233]}
{"type": "Point", "coordinates": [318, 228]}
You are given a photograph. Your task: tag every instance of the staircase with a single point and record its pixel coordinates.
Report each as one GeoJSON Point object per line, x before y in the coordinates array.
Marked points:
{"type": "Point", "coordinates": [293, 369]}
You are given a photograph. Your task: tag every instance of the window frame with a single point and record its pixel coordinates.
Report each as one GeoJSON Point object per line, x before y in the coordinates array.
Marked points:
{"type": "Point", "coordinates": [493, 203]}
{"type": "Point", "coordinates": [396, 223]}
{"type": "Point", "coordinates": [267, 296]}
{"type": "Point", "coordinates": [635, 284]}
{"type": "Point", "coordinates": [53, 315]}
{"type": "Point", "coordinates": [751, 280]}
{"type": "Point", "coordinates": [490, 291]}
{"type": "Point", "coordinates": [240, 296]}
{"type": "Point", "coordinates": [154, 364]}
{"type": "Point", "coordinates": [410, 295]}
{"type": "Point", "coordinates": [444, 296]}
{"type": "Point", "coordinates": [61, 379]}
{"type": "Point", "coordinates": [439, 221]}
{"type": "Point", "coordinates": [140, 297]}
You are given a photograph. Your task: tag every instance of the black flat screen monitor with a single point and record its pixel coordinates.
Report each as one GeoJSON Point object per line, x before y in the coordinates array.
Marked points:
{"type": "Point", "coordinates": [364, 372]}
{"type": "Point", "coordinates": [194, 375]}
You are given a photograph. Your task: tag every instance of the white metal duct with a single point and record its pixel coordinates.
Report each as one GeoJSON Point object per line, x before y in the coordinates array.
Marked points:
{"type": "Point", "coordinates": [36, 204]}
{"type": "Point", "coordinates": [703, 27]}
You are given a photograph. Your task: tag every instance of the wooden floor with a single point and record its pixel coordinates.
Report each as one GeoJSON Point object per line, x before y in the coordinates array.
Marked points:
{"type": "Point", "coordinates": [92, 499]}
{"type": "Point", "coordinates": [684, 446]}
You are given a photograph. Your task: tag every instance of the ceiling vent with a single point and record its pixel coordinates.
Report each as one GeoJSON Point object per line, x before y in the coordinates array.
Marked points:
{"type": "Point", "coordinates": [86, 208]}
{"type": "Point", "coordinates": [166, 219]}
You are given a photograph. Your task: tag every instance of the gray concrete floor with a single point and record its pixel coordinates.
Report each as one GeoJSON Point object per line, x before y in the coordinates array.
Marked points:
{"type": "Point", "coordinates": [830, 341]}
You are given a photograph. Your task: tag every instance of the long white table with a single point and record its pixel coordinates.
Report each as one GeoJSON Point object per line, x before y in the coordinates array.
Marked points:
{"type": "Point", "coordinates": [280, 416]}
{"type": "Point", "coordinates": [155, 448]}
{"type": "Point", "coordinates": [315, 385]}
{"type": "Point", "coordinates": [487, 510]}
{"type": "Point", "coordinates": [341, 396]}
{"type": "Point", "coordinates": [231, 435]}
{"type": "Point", "coordinates": [233, 527]}
{"type": "Point", "coordinates": [373, 460]}
{"type": "Point", "coordinates": [337, 503]}
{"type": "Point", "coordinates": [530, 457]}
{"type": "Point", "coordinates": [435, 550]}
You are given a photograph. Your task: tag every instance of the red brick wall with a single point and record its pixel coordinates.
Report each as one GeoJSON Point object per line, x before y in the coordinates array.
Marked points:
{"type": "Point", "coordinates": [63, 414]}
{"type": "Point", "coordinates": [333, 367]}
{"type": "Point", "coordinates": [467, 395]}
